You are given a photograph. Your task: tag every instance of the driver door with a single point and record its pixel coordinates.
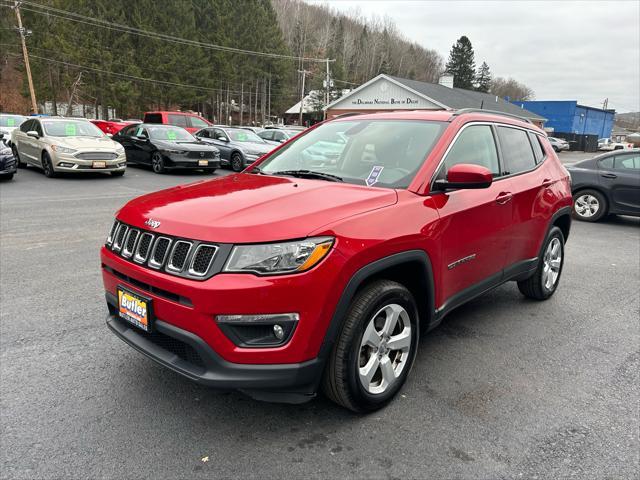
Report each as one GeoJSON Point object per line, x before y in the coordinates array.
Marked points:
{"type": "Point", "coordinates": [474, 223]}
{"type": "Point", "coordinates": [221, 141]}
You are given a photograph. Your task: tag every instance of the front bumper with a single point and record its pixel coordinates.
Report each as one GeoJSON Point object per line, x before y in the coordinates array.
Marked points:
{"type": "Point", "coordinates": [182, 161]}
{"type": "Point", "coordinates": [64, 162]}
{"type": "Point", "coordinates": [190, 356]}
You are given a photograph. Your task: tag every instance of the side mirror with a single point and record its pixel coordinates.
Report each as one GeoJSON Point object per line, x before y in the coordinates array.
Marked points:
{"type": "Point", "coordinates": [142, 138]}
{"type": "Point", "coordinates": [222, 139]}
{"type": "Point", "coordinates": [466, 175]}
{"type": "Point", "coordinates": [33, 134]}
{"type": "Point", "coordinates": [110, 135]}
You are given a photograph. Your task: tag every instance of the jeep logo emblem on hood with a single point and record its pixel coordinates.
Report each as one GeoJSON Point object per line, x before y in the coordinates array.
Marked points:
{"type": "Point", "coordinates": [152, 223]}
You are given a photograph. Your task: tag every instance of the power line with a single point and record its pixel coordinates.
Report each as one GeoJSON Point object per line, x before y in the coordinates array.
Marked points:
{"type": "Point", "coordinates": [75, 17]}
{"type": "Point", "coordinates": [134, 77]}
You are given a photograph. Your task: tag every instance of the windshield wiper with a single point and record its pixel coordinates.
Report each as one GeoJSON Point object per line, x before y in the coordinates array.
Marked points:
{"type": "Point", "coordinates": [309, 174]}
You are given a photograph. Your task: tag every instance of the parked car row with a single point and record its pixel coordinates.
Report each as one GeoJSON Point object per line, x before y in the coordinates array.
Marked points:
{"type": "Point", "coordinates": [607, 144]}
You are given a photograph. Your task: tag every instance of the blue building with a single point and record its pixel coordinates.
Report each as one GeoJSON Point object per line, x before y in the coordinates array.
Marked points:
{"type": "Point", "coordinates": [566, 116]}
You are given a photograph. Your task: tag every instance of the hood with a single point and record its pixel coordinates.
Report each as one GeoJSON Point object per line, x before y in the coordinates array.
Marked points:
{"type": "Point", "coordinates": [188, 146]}
{"type": "Point", "coordinates": [84, 143]}
{"type": "Point", "coordinates": [248, 208]}
{"type": "Point", "coordinates": [260, 148]}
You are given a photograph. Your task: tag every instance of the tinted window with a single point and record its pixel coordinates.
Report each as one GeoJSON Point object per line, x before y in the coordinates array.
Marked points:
{"type": "Point", "coordinates": [26, 126]}
{"type": "Point", "coordinates": [128, 131]}
{"type": "Point", "coordinates": [198, 122]}
{"type": "Point", "coordinates": [475, 145]}
{"type": "Point", "coordinates": [279, 136]}
{"type": "Point", "coordinates": [267, 134]}
{"type": "Point", "coordinates": [177, 120]}
{"type": "Point", "coordinates": [516, 150]}
{"type": "Point", "coordinates": [625, 162]}
{"type": "Point", "coordinates": [217, 133]}
{"type": "Point", "coordinates": [153, 118]}
{"type": "Point", "coordinates": [37, 127]}
{"type": "Point", "coordinates": [606, 162]}
{"type": "Point", "coordinates": [537, 148]}
{"type": "Point", "coordinates": [204, 133]}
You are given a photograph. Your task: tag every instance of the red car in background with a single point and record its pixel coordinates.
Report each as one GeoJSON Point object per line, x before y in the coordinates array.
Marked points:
{"type": "Point", "coordinates": [189, 121]}
{"type": "Point", "coordinates": [113, 125]}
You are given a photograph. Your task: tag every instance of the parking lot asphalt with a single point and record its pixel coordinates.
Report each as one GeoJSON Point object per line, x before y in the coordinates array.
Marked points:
{"type": "Point", "coordinates": [504, 388]}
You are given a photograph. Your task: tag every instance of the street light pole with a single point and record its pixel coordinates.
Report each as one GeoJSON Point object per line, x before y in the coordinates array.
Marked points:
{"type": "Point", "coordinates": [25, 54]}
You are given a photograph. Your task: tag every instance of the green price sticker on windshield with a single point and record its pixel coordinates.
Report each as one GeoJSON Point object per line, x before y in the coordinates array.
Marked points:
{"type": "Point", "coordinates": [171, 135]}
{"type": "Point", "coordinates": [11, 122]}
{"type": "Point", "coordinates": [70, 130]}
{"type": "Point", "coordinates": [242, 137]}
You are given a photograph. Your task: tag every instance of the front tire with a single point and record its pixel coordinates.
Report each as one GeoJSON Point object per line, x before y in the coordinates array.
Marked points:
{"type": "Point", "coordinates": [544, 282]}
{"type": "Point", "coordinates": [375, 348]}
{"type": "Point", "coordinates": [47, 166]}
{"type": "Point", "coordinates": [237, 165]}
{"type": "Point", "coordinates": [16, 155]}
{"type": "Point", "coordinates": [589, 205]}
{"type": "Point", "coordinates": [157, 163]}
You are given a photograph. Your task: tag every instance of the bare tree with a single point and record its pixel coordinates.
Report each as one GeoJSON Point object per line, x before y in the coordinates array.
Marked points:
{"type": "Point", "coordinates": [511, 89]}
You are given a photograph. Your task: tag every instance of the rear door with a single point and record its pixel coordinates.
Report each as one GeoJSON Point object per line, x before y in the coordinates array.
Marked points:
{"type": "Point", "coordinates": [473, 223]}
{"type": "Point", "coordinates": [532, 185]}
{"type": "Point", "coordinates": [621, 178]}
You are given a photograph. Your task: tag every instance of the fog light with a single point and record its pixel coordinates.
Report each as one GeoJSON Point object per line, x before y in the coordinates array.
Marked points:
{"type": "Point", "coordinates": [262, 330]}
{"type": "Point", "coordinates": [278, 331]}
{"type": "Point", "coordinates": [65, 164]}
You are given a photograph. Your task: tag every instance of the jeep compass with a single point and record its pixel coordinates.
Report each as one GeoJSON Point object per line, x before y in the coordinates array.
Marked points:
{"type": "Point", "coordinates": [300, 275]}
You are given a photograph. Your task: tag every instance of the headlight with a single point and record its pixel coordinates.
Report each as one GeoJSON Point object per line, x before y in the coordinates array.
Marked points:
{"type": "Point", "coordinates": [169, 150]}
{"type": "Point", "coordinates": [285, 257]}
{"type": "Point", "coordinates": [61, 149]}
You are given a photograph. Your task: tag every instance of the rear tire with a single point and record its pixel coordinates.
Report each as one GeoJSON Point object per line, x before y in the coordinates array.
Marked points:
{"type": "Point", "coordinates": [589, 205]}
{"type": "Point", "coordinates": [544, 282]}
{"type": "Point", "coordinates": [373, 353]}
{"type": "Point", "coordinates": [157, 163]}
{"type": "Point", "coordinates": [237, 165]}
{"type": "Point", "coordinates": [47, 166]}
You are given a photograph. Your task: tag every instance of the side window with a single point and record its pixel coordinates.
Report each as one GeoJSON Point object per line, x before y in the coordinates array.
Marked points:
{"type": "Point", "coordinates": [606, 163]}
{"type": "Point", "coordinates": [26, 126]}
{"type": "Point", "coordinates": [516, 150]}
{"type": "Point", "coordinates": [141, 132]}
{"type": "Point", "coordinates": [627, 162]}
{"type": "Point", "coordinates": [474, 145]}
{"type": "Point", "coordinates": [267, 134]}
{"type": "Point", "coordinates": [279, 136]}
{"type": "Point", "coordinates": [38, 128]}
{"type": "Point", "coordinates": [198, 122]}
{"type": "Point", "coordinates": [218, 133]}
{"type": "Point", "coordinates": [153, 118]}
{"type": "Point", "coordinates": [537, 148]}
{"type": "Point", "coordinates": [177, 120]}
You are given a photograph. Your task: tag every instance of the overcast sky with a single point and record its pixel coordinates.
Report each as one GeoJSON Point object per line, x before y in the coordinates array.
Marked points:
{"type": "Point", "coordinates": [563, 50]}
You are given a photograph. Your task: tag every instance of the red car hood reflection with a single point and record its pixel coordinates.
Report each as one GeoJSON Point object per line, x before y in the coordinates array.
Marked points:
{"type": "Point", "coordinates": [249, 208]}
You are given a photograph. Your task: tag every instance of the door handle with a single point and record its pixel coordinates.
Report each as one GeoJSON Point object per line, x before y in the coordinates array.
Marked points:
{"type": "Point", "coordinates": [504, 197]}
{"type": "Point", "coordinates": [547, 182]}
{"type": "Point", "coordinates": [609, 175]}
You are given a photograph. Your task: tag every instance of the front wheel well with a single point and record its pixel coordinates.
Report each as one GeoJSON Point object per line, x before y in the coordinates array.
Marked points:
{"type": "Point", "coordinates": [413, 276]}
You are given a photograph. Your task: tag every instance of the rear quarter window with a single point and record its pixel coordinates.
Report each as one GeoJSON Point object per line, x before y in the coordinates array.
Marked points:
{"type": "Point", "coordinates": [153, 118]}
{"type": "Point", "coordinates": [516, 150]}
{"type": "Point", "coordinates": [538, 151]}
{"type": "Point", "coordinates": [177, 120]}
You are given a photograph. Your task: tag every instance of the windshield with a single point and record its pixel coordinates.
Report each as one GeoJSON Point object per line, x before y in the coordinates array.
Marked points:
{"type": "Point", "coordinates": [71, 128]}
{"type": "Point", "coordinates": [241, 135]}
{"type": "Point", "coordinates": [387, 153]}
{"type": "Point", "coordinates": [170, 134]}
{"type": "Point", "coordinates": [11, 120]}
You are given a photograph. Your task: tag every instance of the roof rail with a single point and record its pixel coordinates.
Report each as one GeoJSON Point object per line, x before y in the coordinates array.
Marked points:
{"type": "Point", "coordinates": [462, 111]}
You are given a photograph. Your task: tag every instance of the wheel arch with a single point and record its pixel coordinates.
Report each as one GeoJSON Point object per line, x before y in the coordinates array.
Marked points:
{"type": "Point", "coordinates": [597, 188]}
{"type": "Point", "coordinates": [411, 268]}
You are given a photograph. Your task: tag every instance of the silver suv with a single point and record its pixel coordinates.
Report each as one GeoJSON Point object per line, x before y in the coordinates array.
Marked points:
{"type": "Point", "coordinates": [66, 145]}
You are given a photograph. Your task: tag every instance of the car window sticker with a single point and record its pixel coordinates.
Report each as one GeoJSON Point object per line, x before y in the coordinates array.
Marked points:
{"type": "Point", "coordinates": [11, 122]}
{"type": "Point", "coordinates": [171, 135]}
{"type": "Point", "coordinates": [374, 175]}
{"type": "Point", "coordinates": [70, 129]}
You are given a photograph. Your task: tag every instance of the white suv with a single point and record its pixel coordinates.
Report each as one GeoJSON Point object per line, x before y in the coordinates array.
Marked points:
{"type": "Point", "coordinates": [58, 144]}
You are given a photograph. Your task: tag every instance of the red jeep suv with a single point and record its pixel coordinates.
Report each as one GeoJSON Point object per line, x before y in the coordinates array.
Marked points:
{"type": "Point", "coordinates": [317, 267]}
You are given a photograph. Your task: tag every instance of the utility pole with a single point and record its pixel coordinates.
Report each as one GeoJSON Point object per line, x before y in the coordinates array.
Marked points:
{"type": "Point", "coordinates": [304, 74]}
{"type": "Point", "coordinates": [23, 33]}
{"type": "Point", "coordinates": [242, 104]}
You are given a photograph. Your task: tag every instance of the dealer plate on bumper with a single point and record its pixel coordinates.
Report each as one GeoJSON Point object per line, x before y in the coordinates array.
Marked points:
{"type": "Point", "coordinates": [135, 309]}
{"type": "Point", "coordinates": [203, 163]}
{"type": "Point", "coordinates": [99, 164]}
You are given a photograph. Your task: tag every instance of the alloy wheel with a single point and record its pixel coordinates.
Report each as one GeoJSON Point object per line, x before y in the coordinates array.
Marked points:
{"type": "Point", "coordinates": [587, 205]}
{"type": "Point", "coordinates": [236, 163]}
{"type": "Point", "coordinates": [385, 349]}
{"type": "Point", "coordinates": [157, 163]}
{"type": "Point", "coordinates": [552, 263]}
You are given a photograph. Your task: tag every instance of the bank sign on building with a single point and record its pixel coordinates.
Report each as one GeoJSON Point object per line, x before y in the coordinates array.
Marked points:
{"type": "Point", "coordinates": [387, 93]}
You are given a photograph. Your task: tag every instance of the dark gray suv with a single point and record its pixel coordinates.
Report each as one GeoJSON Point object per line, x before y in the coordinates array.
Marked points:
{"type": "Point", "coordinates": [238, 147]}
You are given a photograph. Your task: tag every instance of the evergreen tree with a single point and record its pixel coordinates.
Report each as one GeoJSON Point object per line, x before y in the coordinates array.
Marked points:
{"type": "Point", "coordinates": [461, 64]}
{"type": "Point", "coordinates": [483, 78]}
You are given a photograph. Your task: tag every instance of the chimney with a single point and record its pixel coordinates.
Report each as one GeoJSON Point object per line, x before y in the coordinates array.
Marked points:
{"type": "Point", "coordinates": [446, 80]}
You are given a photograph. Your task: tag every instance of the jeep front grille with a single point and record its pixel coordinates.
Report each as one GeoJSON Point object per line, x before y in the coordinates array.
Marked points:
{"type": "Point", "coordinates": [177, 256]}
